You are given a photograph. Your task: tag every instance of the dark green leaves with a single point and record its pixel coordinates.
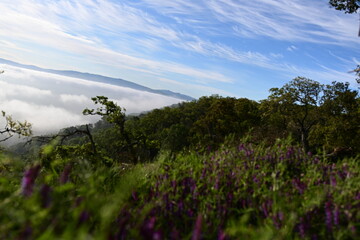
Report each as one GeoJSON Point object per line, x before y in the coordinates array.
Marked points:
{"type": "Point", "coordinates": [349, 6]}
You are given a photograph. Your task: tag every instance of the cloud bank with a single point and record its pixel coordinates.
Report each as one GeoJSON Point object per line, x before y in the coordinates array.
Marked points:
{"type": "Point", "coordinates": [51, 102]}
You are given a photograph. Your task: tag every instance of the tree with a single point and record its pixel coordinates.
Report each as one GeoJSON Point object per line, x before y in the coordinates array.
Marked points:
{"type": "Point", "coordinates": [339, 126]}
{"type": "Point", "coordinates": [349, 6]}
{"type": "Point", "coordinates": [357, 73]}
{"type": "Point", "coordinates": [114, 114]}
{"type": "Point", "coordinates": [13, 127]}
{"type": "Point", "coordinates": [296, 104]}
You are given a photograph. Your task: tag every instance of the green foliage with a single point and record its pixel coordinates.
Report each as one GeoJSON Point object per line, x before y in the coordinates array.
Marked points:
{"type": "Point", "coordinates": [315, 114]}
{"type": "Point", "coordinates": [349, 6]}
{"type": "Point", "coordinates": [109, 110]}
{"type": "Point", "coordinates": [340, 117]}
{"type": "Point", "coordinates": [239, 191]}
{"type": "Point", "coordinates": [297, 103]}
{"type": "Point", "coordinates": [180, 172]}
{"type": "Point", "coordinates": [114, 114]}
{"type": "Point", "coordinates": [13, 127]}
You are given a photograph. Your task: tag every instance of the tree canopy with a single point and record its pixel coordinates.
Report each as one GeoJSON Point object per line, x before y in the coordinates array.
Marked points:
{"type": "Point", "coordinates": [349, 6]}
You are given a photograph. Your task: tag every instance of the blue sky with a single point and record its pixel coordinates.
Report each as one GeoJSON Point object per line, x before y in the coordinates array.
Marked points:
{"type": "Point", "coordinates": [229, 47]}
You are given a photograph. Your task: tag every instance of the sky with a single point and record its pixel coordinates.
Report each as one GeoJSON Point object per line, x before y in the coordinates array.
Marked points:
{"type": "Point", "coordinates": [232, 48]}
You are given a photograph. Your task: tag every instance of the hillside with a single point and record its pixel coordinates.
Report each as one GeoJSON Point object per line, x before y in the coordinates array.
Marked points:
{"type": "Point", "coordinates": [286, 167]}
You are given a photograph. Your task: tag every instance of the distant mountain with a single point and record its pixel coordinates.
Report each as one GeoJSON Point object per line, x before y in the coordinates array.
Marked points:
{"type": "Point", "coordinates": [100, 78]}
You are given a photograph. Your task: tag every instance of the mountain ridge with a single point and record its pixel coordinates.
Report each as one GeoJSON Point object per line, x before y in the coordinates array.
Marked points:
{"type": "Point", "coordinates": [100, 78]}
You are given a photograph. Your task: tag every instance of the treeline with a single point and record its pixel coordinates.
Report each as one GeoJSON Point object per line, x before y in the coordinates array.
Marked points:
{"type": "Point", "coordinates": [321, 118]}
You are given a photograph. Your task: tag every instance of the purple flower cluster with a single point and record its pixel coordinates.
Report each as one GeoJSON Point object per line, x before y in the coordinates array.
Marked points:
{"type": "Point", "coordinates": [200, 200]}
{"type": "Point", "coordinates": [196, 199]}
{"type": "Point", "coordinates": [28, 180]}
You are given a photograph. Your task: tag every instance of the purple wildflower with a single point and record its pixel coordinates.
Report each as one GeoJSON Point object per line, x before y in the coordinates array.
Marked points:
{"type": "Point", "coordinates": [333, 181]}
{"type": "Point", "coordinates": [266, 207]}
{"type": "Point", "coordinates": [336, 213]}
{"type": "Point", "coordinates": [64, 177]}
{"type": "Point", "coordinates": [357, 197]}
{"type": "Point", "coordinates": [316, 160]}
{"type": "Point", "coordinates": [197, 230]}
{"type": "Point", "coordinates": [241, 147]}
{"type": "Point", "coordinates": [302, 228]}
{"type": "Point", "coordinates": [217, 183]}
{"type": "Point", "coordinates": [277, 219]}
{"type": "Point", "coordinates": [134, 196]}
{"type": "Point", "coordinates": [290, 152]}
{"type": "Point", "coordinates": [300, 186]}
{"type": "Point", "coordinates": [147, 230]}
{"type": "Point", "coordinates": [173, 184]}
{"type": "Point", "coordinates": [84, 216]}
{"type": "Point", "coordinates": [221, 235]}
{"type": "Point", "coordinates": [255, 179]}
{"type": "Point", "coordinates": [28, 180]}
{"type": "Point", "coordinates": [157, 235]}
{"type": "Point", "coordinates": [328, 215]}
{"type": "Point", "coordinates": [45, 193]}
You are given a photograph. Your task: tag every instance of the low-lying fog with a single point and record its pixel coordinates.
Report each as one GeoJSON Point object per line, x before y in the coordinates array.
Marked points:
{"type": "Point", "coordinates": [51, 102]}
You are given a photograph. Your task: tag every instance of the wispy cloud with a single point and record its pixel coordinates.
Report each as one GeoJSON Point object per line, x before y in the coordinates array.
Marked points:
{"type": "Point", "coordinates": [205, 41]}
{"type": "Point", "coordinates": [51, 25]}
{"type": "Point", "coordinates": [292, 48]}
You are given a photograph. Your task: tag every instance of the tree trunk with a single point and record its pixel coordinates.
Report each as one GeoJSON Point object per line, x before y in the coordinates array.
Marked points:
{"type": "Point", "coordinates": [304, 140]}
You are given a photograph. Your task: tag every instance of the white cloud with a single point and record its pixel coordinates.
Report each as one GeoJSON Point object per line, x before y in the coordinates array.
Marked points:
{"type": "Point", "coordinates": [46, 24]}
{"type": "Point", "coordinates": [145, 36]}
{"type": "Point", "coordinates": [8, 90]}
{"type": "Point", "coordinates": [305, 21]}
{"type": "Point", "coordinates": [70, 98]}
{"type": "Point", "coordinates": [203, 90]}
{"type": "Point", "coordinates": [44, 118]}
{"type": "Point", "coordinates": [54, 101]}
{"type": "Point", "coordinates": [292, 48]}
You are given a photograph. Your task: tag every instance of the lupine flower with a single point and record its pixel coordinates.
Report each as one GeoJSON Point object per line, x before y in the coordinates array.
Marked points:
{"type": "Point", "coordinates": [357, 197]}
{"type": "Point", "coordinates": [148, 228]}
{"type": "Point", "coordinates": [302, 228]}
{"type": "Point", "coordinates": [290, 152]}
{"type": "Point", "coordinates": [277, 219]}
{"type": "Point", "coordinates": [28, 180]}
{"type": "Point", "coordinates": [197, 230]}
{"type": "Point", "coordinates": [300, 186]}
{"type": "Point", "coordinates": [157, 235]}
{"type": "Point", "coordinates": [221, 235]}
{"type": "Point", "coordinates": [84, 216]}
{"type": "Point", "coordinates": [134, 196]}
{"type": "Point", "coordinates": [45, 192]}
{"type": "Point", "coordinates": [333, 181]}
{"type": "Point", "coordinates": [241, 147]}
{"type": "Point", "coordinates": [328, 215]}
{"type": "Point", "coordinates": [336, 214]}
{"type": "Point", "coordinates": [266, 207]}
{"type": "Point", "coordinates": [64, 177]}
